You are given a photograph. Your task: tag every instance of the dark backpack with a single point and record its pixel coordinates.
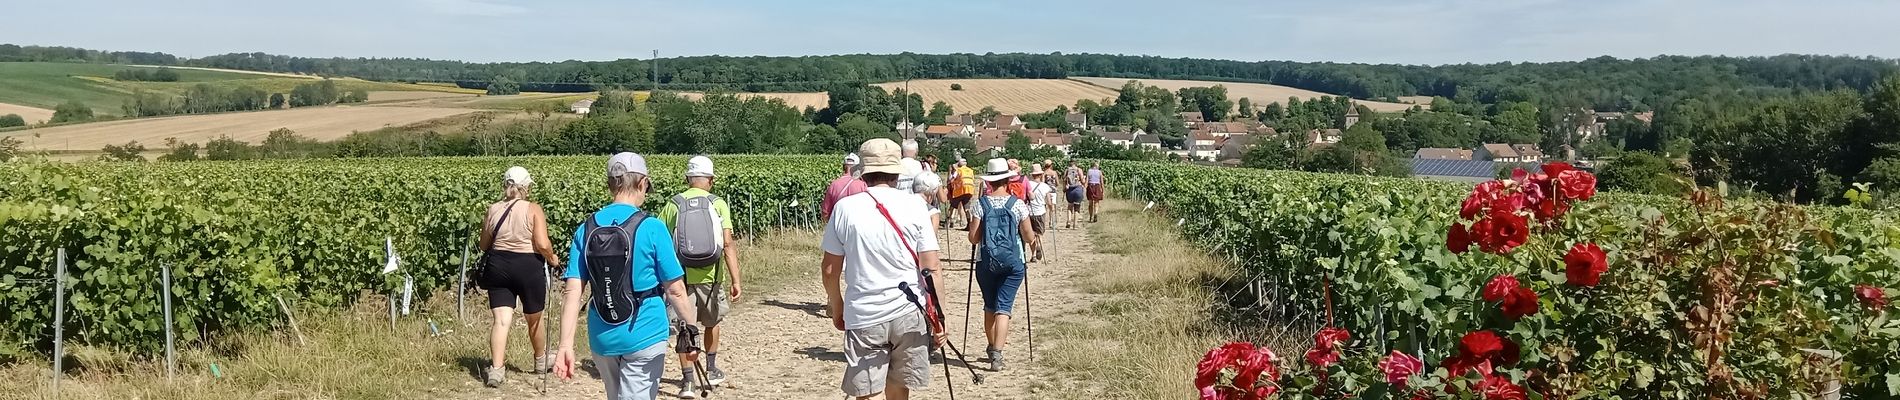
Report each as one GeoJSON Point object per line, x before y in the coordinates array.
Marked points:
{"type": "Point", "coordinates": [1002, 235]}
{"type": "Point", "coordinates": [697, 235]}
{"type": "Point", "coordinates": [609, 255]}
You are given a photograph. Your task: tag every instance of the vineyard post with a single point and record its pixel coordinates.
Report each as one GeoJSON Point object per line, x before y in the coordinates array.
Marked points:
{"type": "Point", "coordinates": [59, 318]}
{"type": "Point", "coordinates": [292, 318]}
{"type": "Point", "coordinates": [461, 286]}
{"type": "Point", "coordinates": [171, 356]}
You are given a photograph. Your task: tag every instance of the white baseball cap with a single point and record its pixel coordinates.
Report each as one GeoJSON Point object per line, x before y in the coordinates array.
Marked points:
{"type": "Point", "coordinates": [699, 166]}
{"type": "Point", "coordinates": [850, 158]}
{"type": "Point", "coordinates": [517, 175]}
{"type": "Point", "coordinates": [624, 163]}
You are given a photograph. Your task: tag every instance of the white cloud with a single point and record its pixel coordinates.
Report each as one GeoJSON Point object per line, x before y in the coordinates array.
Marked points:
{"type": "Point", "coordinates": [473, 8]}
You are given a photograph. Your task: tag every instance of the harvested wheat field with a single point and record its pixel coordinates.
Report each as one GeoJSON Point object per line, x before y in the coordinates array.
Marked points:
{"type": "Point", "coordinates": [33, 115]}
{"type": "Point", "coordinates": [320, 123]}
{"type": "Point", "coordinates": [398, 95]}
{"type": "Point", "coordinates": [1009, 96]}
{"type": "Point", "coordinates": [1260, 93]}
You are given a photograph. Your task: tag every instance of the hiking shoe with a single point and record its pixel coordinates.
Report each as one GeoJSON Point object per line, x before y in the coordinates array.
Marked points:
{"type": "Point", "coordinates": [996, 360]}
{"type": "Point", "coordinates": [495, 377]}
{"type": "Point", "coordinates": [689, 388]}
{"type": "Point", "coordinates": [715, 376]}
{"type": "Point", "coordinates": [543, 365]}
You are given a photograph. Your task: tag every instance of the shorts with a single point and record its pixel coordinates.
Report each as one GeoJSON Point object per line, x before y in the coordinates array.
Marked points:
{"type": "Point", "coordinates": [896, 350]}
{"type": "Point", "coordinates": [1095, 192]}
{"type": "Point", "coordinates": [710, 301]}
{"type": "Point", "coordinates": [1039, 223]}
{"type": "Point", "coordinates": [512, 275]}
{"type": "Point", "coordinates": [960, 202]}
{"type": "Point", "coordinates": [1074, 195]}
{"type": "Point", "coordinates": [633, 376]}
{"type": "Point", "coordinates": [999, 287]}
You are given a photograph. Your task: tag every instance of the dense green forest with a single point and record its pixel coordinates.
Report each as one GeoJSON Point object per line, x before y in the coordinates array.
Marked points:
{"type": "Point", "coordinates": [1600, 83]}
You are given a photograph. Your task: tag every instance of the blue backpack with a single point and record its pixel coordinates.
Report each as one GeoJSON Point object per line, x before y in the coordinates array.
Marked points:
{"type": "Point", "coordinates": [1002, 236]}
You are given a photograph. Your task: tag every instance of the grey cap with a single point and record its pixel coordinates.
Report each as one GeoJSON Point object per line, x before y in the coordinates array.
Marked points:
{"type": "Point", "coordinates": [623, 163]}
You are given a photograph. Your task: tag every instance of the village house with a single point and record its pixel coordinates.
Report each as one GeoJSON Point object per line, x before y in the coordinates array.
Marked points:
{"type": "Point", "coordinates": [1352, 116]}
{"type": "Point", "coordinates": [1123, 139]}
{"type": "Point", "coordinates": [1223, 129]}
{"type": "Point", "coordinates": [1235, 147]}
{"type": "Point", "coordinates": [1319, 137]}
{"type": "Point", "coordinates": [1078, 120]}
{"type": "Point", "coordinates": [1594, 123]}
{"type": "Point", "coordinates": [1192, 118]}
{"type": "Point", "coordinates": [1454, 170]}
{"type": "Point", "coordinates": [581, 107]}
{"type": "Point", "coordinates": [960, 119]}
{"type": "Point", "coordinates": [1508, 153]}
{"type": "Point", "coordinates": [938, 132]}
{"type": "Point", "coordinates": [1006, 121]}
{"type": "Point", "coordinates": [1440, 153]}
{"type": "Point", "coordinates": [1148, 141]}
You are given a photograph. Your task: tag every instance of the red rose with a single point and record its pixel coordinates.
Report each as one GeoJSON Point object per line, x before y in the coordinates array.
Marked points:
{"type": "Point", "coordinates": [1218, 359]}
{"type": "Point", "coordinates": [1263, 392]}
{"type": "Point", "coordinates": [1536, 189]}
{"type": "Point", "coordinates": [1500, 288]}
{"type": "Point", "coordinates": [1555, 168]}
{"type": "Point", "coordinates": [1522, 302]}
{"type": "Point", "coordinates": [1585, 264]}
{"type": "Point", "coordinates": [1399, 367]}
{"type": "Point", "coordinates": [1480, 195]}
{"type": "Point", "coordinates": [1509, 203]}
{"type": "Point", "coordinates": [1873, 297]}
{"type": "Point", "coordinates": [1577, 185]}
{"type": "Point", "coordinates": [1499, 388]}
{"type": "Point", "coordinates": [1458, 240]}
{"type": "Point", "coordinates": [1250, 364]}
{"type": "Point", "coordinates": [1326, 343]}
{"type": "Point", "coordinates": [1501, 231]}
{"type": "Point", "coordinates": [1462, 365]}
{"type": "Point", "coordinates": [1519, 175]}
{"type": "Point", "coordinates": [1480, 344]}
{"type": "Point", "coordinates": [1255, 365]}
{"type": "Point", "coordinates": [1508, 352]}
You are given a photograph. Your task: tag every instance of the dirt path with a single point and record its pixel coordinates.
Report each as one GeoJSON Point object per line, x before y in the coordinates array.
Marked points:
{"type": "Point", "coordinates": [780, 346]}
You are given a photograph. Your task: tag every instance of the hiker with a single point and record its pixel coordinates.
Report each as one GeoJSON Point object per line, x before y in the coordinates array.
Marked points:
{"type": "Point", "coordinates": [845, 185]}
{"type": "Point", "coordinates": [1096, 188]}
{"type": "Point", "coordinates": [962, 189]}
{"type": "Point", "coordinates": [1040, 194]}
{"type": "Point", "coordinates": [1002, 228]}
{"type": "Point", "coordinates": [912, 167]}
{"type": "Point", "coordinates": [1075, 191]}
{"type": "Point", "coordinates": [1018, 181]}
{"type": "Point", "coordinates": [929, 185]}
{"type": "Point", "coordinates": [875, 246]}
{"type": "Point", "coordinates": [517, 252]}
{"type": "Point", "coordinates": [702, 233]}
{"type": "Point", "coordinates": [625, 263]}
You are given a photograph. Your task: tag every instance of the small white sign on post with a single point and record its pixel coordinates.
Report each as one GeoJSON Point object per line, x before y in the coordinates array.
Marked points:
{"type": "Point", "coordinates": [408, 292]}
{"type": "Point", "coordinates": [389, 248]}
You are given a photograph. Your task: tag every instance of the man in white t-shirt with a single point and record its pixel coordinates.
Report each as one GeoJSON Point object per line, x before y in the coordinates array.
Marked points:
{"type": "Point", "coordinates": [1039, 195]}
{"type": "Point", "coordinates": [907, 180]}
{"type": "Point", "coordinates": [871, 273]}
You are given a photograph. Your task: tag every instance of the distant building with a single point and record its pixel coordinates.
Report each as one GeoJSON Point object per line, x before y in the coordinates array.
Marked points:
{"type": "Point", "coordinates": [1078, 120]}
{"type": "Point", "coordinates": [961, 119]}
{"type": "Point", "coordinates": [1454, 170]}
{"type": "Point", "coordinates": [1235, 147]}
{"type": "Point", "coordinates": [1323, 137]}
{"type": "Point", "coordinates": [1148, 141]}
{"type": "Point", "coordinates": [1006, 121]}
{"type": "Point", "coordinates": [1439, 153]}
{"type": "Point", "coordinates": [1352, 115]}
{"type": "Point", "coordinates": [1508, 153]}
{"type": "Point", "coordinates": [1123, 139]}
{"type": "Point", "coordinates": [1192, 118]}
{"type": "Point", "coordinates": [581, 107]}
{"type": "Point", "coordinates": [943, 131]}
{"type": "Point", "coordinates": [1223, 129]}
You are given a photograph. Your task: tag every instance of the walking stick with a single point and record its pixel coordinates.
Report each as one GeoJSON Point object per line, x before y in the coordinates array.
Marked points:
{"type": "Point", "coordinates": [969, 290]}
{"type": "Point", "coordinates": [547, 346]}
{"type": "Point", "coordinates": [1029, 321]}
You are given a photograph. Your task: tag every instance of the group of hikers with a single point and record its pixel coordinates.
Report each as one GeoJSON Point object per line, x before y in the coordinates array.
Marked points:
{"type": "Point", "coordinates": [673, 274]}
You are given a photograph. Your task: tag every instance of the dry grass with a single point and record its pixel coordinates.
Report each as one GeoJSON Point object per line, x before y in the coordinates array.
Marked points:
{"type": "Point", "coordinates": [1260, 94]}
{"type": "Point", "coordinates": [1154, 319]}
{"type": "Point", "coordinates": [320, 123]}
{"type": "Point", "coordinates": [352, 354]}
{"type": "Point", "coordinates": [393, 95]}
{"type": "Point", "coordinates": [33, 115]}
{"type": "Point", "coordinates": [1009, 96]}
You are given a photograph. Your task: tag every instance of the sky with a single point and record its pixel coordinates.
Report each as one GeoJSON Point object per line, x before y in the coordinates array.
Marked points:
{"type": "Point", "coordinates": [1365, 31]}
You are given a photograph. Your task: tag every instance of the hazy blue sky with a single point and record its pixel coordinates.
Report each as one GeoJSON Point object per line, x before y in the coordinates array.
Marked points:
{"type": "Point", "coordinates": [1385, 31]}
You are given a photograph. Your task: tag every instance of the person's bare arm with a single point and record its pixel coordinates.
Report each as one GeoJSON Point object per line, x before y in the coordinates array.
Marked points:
{"type": "Point", "coordinates": [1028, 232]}
{"type": "Point", "coordinates": [679, 304]}
{"type": "Point", "coordinates": [570, 313]}
{"type": "Point", "coordinates": [976, 228]}
{"type": "Point", "coordinates": [732, 265]}
{"type": "Point", "coordinates": [833, 266]}
{"type": "Point", "coordinates": [542, 245]}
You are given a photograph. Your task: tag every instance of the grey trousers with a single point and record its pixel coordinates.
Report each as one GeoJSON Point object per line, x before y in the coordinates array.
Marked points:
{"type": "Point", "coordinates": [633, 376]}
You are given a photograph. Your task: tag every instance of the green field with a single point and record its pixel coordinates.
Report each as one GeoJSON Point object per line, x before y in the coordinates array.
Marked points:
{"type": "Point", "coordinates": [47, 84]}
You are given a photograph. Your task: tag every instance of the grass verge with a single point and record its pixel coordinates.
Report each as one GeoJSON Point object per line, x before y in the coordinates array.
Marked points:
{"type": "Point", "coordinates": [1155, 313]}
{"type": "Point", "coordinates": [353, 354]}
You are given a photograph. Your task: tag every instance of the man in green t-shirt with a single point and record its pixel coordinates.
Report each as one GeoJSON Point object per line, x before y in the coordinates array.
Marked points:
{"type": "Point", "coordinates": [703, 283]}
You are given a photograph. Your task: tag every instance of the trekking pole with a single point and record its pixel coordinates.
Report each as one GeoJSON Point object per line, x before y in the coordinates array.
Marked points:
{"type": "Point", "coordinates": [547, 346]}
{"type": "Point", "coordinates": [969, 290]}
{"type": "Point", "coordinates": [1029, 321]}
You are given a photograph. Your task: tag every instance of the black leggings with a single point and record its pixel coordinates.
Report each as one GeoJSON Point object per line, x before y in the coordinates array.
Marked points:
{"type": "Point", "coordinates": [513, 274]}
